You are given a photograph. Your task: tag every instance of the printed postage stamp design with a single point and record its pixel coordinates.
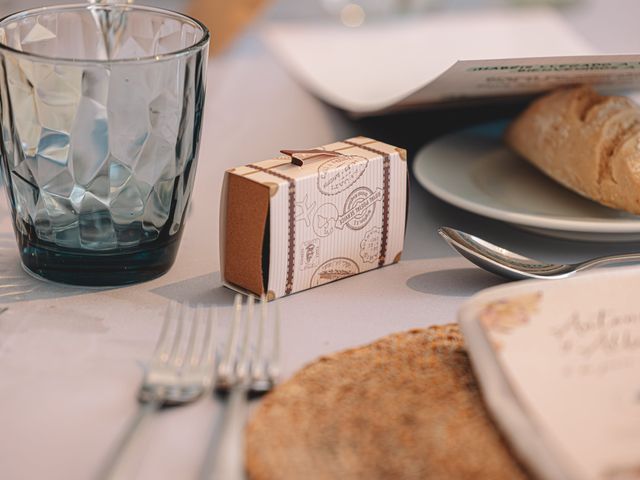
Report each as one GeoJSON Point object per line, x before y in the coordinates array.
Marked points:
{"type": "Point", "coordinates": [359, 207]}
{"type": "Point", "coordinates": [334, 269]}
{"type": "Point", "coordinates": [310, 254]}
{"type": "Point", "coordinates": [357, 213]}
{"type": "Point", "coordinates": [370, 245]}
{"type": "Point", "coordinates": [339, 173]}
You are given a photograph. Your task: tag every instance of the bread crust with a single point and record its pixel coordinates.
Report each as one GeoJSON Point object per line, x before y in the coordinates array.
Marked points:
{"type": "Point", "coordinates": [588, 142]}
{"type": "Point", "coordinates": [405, 407]}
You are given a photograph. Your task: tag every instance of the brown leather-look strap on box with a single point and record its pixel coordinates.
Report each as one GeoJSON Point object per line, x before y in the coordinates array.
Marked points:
{"type": "Point", "coordinates": [296, 159]}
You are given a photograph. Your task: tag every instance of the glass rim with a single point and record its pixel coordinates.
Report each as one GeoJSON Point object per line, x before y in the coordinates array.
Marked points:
{"type": "Point", "coordinates": [199, 45]}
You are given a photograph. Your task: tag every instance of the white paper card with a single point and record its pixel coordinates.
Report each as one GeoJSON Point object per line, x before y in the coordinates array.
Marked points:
{"type": "Point", "coordinates": [398, 64]}
{"type": "Point", "coordinates": [569, 355]}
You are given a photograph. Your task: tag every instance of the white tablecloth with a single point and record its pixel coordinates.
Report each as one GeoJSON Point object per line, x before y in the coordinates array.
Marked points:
{"type": "Point", "coordinates": [71, 359]}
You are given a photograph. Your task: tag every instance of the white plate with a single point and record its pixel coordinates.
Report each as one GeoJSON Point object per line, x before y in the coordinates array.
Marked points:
{"type": "Point", "coordinates": [474, 170]}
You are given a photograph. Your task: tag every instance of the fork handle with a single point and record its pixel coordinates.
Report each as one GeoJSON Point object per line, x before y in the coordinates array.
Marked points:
{"type": "Point", "coordinates": [228, 460]}
{"type": "Point", "coordinates": [113, 468]}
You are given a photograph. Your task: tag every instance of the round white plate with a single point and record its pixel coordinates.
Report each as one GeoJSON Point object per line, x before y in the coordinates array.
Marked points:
{"type": "Point", "coordinates": [474, 170]}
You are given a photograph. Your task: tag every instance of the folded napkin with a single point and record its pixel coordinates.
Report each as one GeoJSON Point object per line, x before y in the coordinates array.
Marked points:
{"type": "Point", "coordinates": [404, 407]}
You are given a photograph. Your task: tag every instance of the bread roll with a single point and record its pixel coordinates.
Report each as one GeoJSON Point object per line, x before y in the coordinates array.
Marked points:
{"type": "Point", "coordinates": [588, 142]}
{"type": "Point", "coordinates": [406, 407]}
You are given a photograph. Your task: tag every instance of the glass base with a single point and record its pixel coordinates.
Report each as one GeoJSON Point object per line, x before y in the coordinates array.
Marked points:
{"type": "Point", "coordinates": [105, 268]}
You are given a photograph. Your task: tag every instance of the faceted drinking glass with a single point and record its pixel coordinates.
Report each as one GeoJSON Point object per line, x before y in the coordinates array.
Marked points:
{"type": "Point", "coordinates": [101, 112]}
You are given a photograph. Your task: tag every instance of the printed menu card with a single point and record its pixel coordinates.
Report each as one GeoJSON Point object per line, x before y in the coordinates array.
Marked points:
{"type": "Point", "coordinates": [444, 58]}
{"type": "Point", "coordinates": [559, 367]}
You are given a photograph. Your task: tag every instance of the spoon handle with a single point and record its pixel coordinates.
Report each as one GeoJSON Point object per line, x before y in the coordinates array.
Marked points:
{"type": "Point", "coordinates": [596, 262]}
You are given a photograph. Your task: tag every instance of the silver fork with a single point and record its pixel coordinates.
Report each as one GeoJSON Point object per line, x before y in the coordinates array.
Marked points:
{"type": "Point", "coordinates": [245, 369]}
{"type": "Point", "coordinates": [179, 372]}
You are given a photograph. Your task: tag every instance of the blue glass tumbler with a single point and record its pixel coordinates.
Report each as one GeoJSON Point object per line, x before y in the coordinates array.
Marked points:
{"type": "Point", "coordinates": [101, 112]}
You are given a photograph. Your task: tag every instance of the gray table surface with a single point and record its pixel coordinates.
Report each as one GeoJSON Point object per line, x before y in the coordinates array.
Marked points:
{"type": "Point", "coordinates": [71, 359]}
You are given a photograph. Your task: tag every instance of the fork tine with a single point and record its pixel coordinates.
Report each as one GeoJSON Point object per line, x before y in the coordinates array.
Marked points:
{"type": "Point", "coordinates": [160, 353]}
{"type": "Point", "coordinates": [189, 353]}
{"type": "Point", "coordinates": [257, 367]}
{"type": "Point", "coordinates": [244, 357]}
{"type": "Point", "coordinates": [225, 368]}
{"type": "Point", "coordinates": [265, 369]}
{"type": "Point", "coordinates": [208, 349]}
{"type": "Point", "coordinates": [274, 364]}
{"type": "Point", "coordinates": [263, 318]}
{"type": "Point", "coordinates": [177, 336]}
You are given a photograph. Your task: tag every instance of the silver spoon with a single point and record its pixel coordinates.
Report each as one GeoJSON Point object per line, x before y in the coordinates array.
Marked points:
{"type": "Point", "coordinates": [508, 264]}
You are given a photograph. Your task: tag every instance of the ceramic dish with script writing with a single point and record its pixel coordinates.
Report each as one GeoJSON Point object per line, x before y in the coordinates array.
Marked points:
{"type": "Point", "coordinates": [474, 170]}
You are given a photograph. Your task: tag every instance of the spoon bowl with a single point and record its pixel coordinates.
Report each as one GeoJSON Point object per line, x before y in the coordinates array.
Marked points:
{"type": "Point", "coordinates": [511, 265]}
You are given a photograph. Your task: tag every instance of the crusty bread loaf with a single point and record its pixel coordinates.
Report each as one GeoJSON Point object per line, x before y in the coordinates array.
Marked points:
{"type": "Point", "coordinates": [405, 407]}
{"type": "Point", "coordinates": [588, 142]}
